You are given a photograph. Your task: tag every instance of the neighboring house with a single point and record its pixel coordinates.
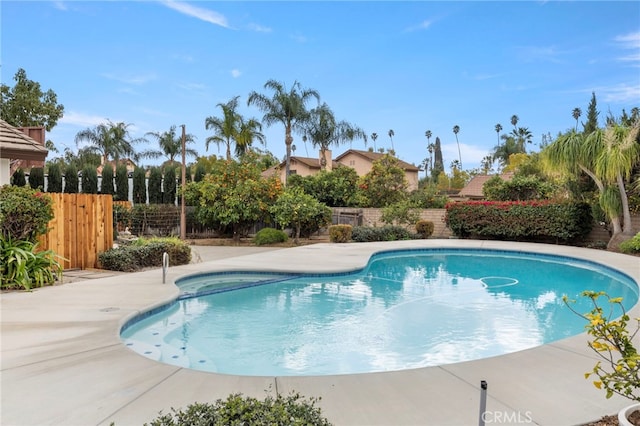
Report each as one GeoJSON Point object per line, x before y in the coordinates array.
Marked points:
{"type": "Point", "coordinates": [131, 166]}
{"type": "Point", "coordinates": [473, 189]}
{"type": "Point", "coordinates": [361, 161]}
{"type": "Point", "coordinates": [18, 149]}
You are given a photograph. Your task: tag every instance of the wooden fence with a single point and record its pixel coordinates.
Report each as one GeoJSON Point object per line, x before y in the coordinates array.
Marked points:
{"type": "Point", "coordinates": [81, 228]}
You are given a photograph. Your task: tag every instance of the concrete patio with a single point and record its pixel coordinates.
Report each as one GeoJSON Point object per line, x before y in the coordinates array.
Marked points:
{"type": "Point", "coordinates": [63, 362]}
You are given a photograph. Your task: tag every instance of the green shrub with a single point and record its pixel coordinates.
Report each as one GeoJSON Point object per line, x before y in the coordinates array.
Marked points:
{"type": "Point", "coordinates": [632, 245]}
{"type": "Point", "coordinates": [18, 178]}
{"type": "Point", "coordinates": [424, 228]}
{"type": "Point", "coordinates": [169, 186]}
{"type": "Point", "coordinates": [520, 188]}
{"type": "Point", "coordinates": [54, 178]}
{"type": "Point", "coordinates": [340, 233]}
{"type": "Point", "coordinates": [519, 220]}
{"type": "Point", "coordinates": [106, 186]}
{"type": "Point", "coordinates": [239, 410]}
{"type": "Point", "coordinates": [36, 178]}
{"type": "Point", "coordinates": [24, 213]}
{"type": "Point", "coordinates": [89, 180]}
{"type": "Point", "coordinates": [145, 253]}
{"type": "Point", "coordinates": [121, 217]}
{"type": "Point", "coordinates": [122, 183]}
{"type": "Point", "coordinates": [71, 179]}
{"type": "Point", "coordinates": [24, 268]}
{"type": "Point", "coordinates": [139, 186]}
{"type": "Point", "coordinates": [364, 234]}
{"type": "Point", "coordinates": [155, 186]}
{"type": "Point", "coordinates": [269, 236]}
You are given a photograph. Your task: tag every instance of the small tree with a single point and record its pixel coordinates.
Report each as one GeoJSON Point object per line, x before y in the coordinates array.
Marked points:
{"type": "Point", "coordinates": [89, 180]}
{"type": "Point", "coordinates": [155, 186]}
{"type": "Point", "coordinates": [106, 186]}
{"type": "Point", "coordinates": [296, 209]}
{"type": "Point", "coordinates": [139, 186]}
{"type": "Point", "coordinates": [36, 178]}
{"type": "Point", "coordinates": [385, 183]}
{"type": "Point", "coordinates": [71, 180]}
{"type": "Point", "coordinates": [122, 183]}
{"type": "Point", "coordinates": [54, 179]}
{"type": "Point", "coordinates": [169, 186]}
{"type": "Point", "coordinates": [19, 178]}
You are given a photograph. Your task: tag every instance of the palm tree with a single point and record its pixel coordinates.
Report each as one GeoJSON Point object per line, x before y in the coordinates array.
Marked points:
{"type": "Point", "coordinates": [285, 107]}
{"type": "Point", "coordinates": [456, 129]}
{"type": "Point", "coordinates": [374, 136]}
{"type": "Point", "coordinates": [503, 151]}
{"type": "Point", "coordinates": [391, 135]}
{"type": "Point", "coordinates": [225, 129]}
{"type": "Point", "coordinates": [607, 156]}
{"type": "Point", "coordinates": [523, 136]}
{"type": "Point", "coordinates": [109, 140]}
{"type": "Point", "coordinates": [170, 145]}
{"type": "Point", "coordinates": [576, 113]}
{"type": "Point", "coordinates": [248, 132]}
{"type": "Point", "coordinates": [323, 130]}
{"type": "Point", "coordinates": [498, 130]}
{"type": "Point", "coordinates": [514, 120]}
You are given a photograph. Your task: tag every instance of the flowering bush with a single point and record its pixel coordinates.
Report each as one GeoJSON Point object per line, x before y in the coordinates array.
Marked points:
{"type": "Point", "coordinates": [619, 370]}
{"type": "Point", "coordinates": [519, 220]}
{"type": "Point", "coordinates": [24, 213]}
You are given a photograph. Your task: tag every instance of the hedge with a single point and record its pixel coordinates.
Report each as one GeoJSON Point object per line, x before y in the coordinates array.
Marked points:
{"type": "Point", "coordinates": [519, 220]}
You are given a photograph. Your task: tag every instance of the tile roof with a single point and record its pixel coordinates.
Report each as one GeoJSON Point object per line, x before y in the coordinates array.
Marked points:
{"type": "Point", "coordinates": [15, 145]}
{"type": "Point", "coordinates": [473, 189]}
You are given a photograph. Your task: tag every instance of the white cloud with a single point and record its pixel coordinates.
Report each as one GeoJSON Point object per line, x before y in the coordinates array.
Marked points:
{"type": "Point", "coordinates": [81, 120]}
{"type": "Point", "coordinates": [60, 5]}
{"type": "Point", "coordinates": [421, 26]}
{"type": "Point", "coordinates": [259, 28]}
{"type": "Point", "coordinates": [197, 12]}
{"type": "Point", "coordinates": [235, 73]}
{"type": "Point", "coordinates": [620, 93]}
{"type": "Point", "coordinates": [630, 41]}
{"type": "Point", "coordinates": [133, 79]}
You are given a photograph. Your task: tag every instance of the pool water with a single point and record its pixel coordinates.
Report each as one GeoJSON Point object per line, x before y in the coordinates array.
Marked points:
{"type": "Point", "coordinates": [405, 309]}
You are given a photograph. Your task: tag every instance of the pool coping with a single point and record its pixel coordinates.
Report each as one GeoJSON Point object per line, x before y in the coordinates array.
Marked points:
{"type": "Point", "coordinates": [64, 363]}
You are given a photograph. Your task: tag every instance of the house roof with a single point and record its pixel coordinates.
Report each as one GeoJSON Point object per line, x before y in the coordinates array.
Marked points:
{"type": "Point", "coordinates": [473, 189]}
{"type": "Point", "coordinates": [372, 156]}
{"type": "Point", "coordinates": [15, 145]}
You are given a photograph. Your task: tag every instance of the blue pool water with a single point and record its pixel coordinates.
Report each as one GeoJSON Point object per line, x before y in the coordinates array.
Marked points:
{"type": "Point", "coordinates": [405, 309]}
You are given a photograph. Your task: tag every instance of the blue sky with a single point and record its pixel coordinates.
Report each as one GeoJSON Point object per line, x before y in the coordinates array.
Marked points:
{"type": "Point", "coordinates": [407, 66]}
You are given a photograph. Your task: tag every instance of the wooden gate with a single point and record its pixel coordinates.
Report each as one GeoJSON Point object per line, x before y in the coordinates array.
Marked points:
{"type": "Point", "coordinates": [81, 228]}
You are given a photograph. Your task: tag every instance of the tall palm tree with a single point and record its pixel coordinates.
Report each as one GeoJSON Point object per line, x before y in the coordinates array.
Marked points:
{"type": "Point", "coordinates": [248, 132]}
{"type": "Point", "coordinates": [391, 135]}
{"type": "Point", "coordinates": [576, 113]}
{"type": "Point", "coordinates": [109, 140]}
{"type": "Point", "coordinates": [170, 144]}
{"type": "Point", "coordinates": [514, 120]}
{"type": "Point", "coordinates": [225, 129]}
{"type": "Point", "coordinates": [523, 136]}
{"type": "Point", "coordinates": [503, 151]}
{"type": "Point", "coordinates": [285, 107]}
{"type": "Point", "coordinates": [374, 136]}
{"type": "Point", "coordinates": [456, 129]}
{"type": "Point", "coordinates": [498, 130]}
{"type": "Point", "coordinates": [324, 130]}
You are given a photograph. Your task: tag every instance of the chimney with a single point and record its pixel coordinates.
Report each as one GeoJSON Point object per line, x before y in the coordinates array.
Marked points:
{"type": "Point", "coordinates": [327, 160]}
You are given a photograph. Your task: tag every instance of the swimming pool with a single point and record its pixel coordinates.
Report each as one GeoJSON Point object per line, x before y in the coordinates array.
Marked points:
{"type": "Point", "coordinates": [405, 309]}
